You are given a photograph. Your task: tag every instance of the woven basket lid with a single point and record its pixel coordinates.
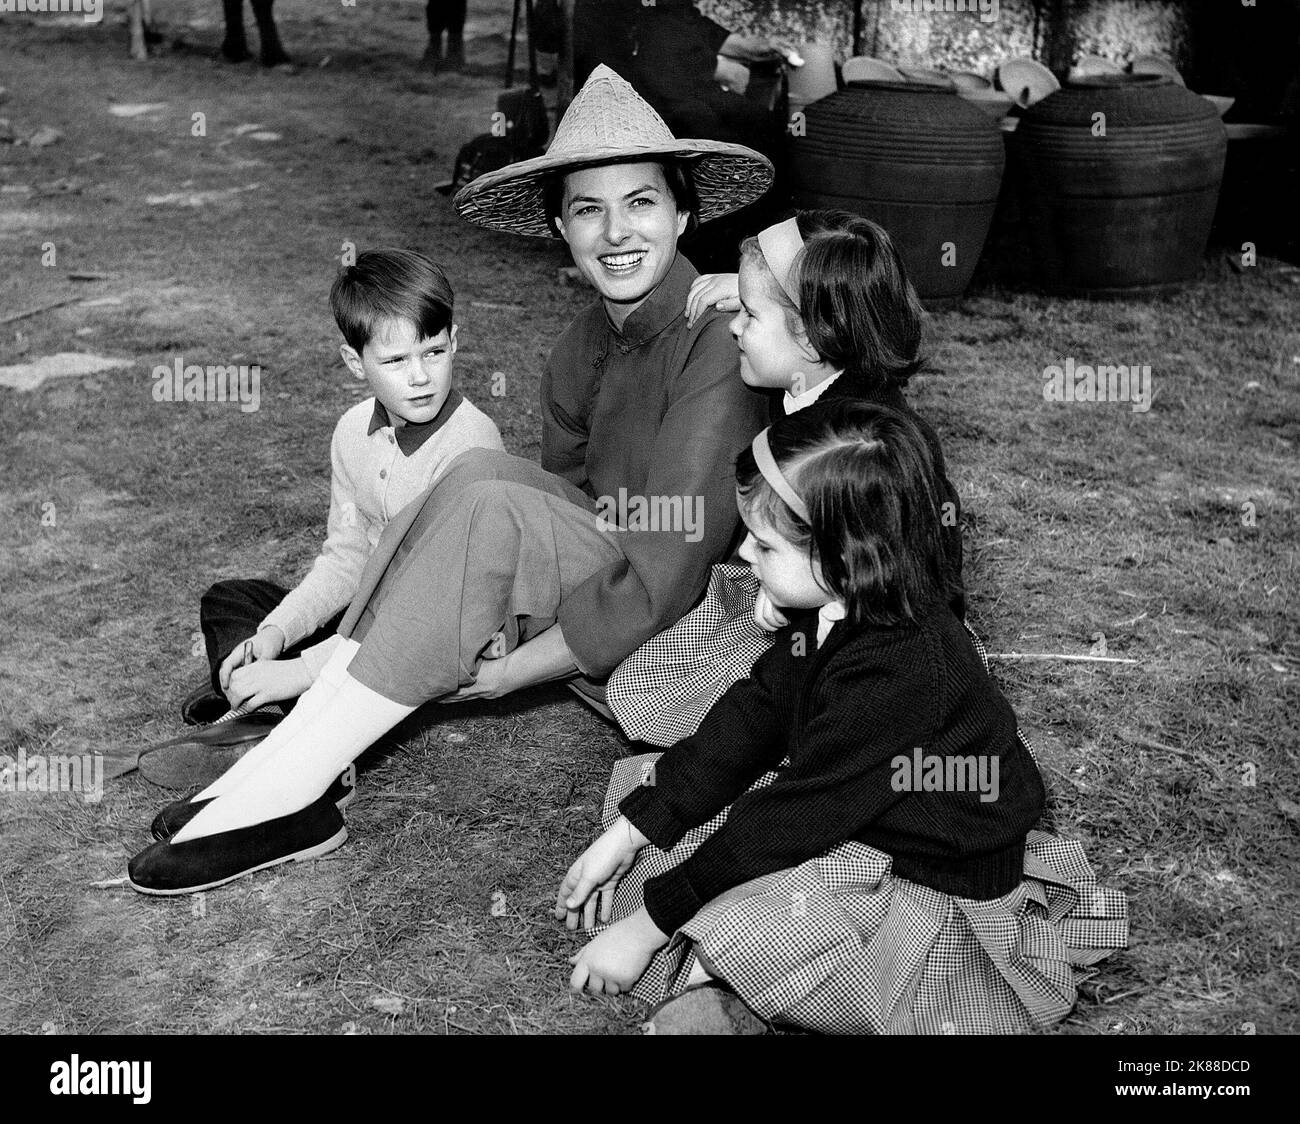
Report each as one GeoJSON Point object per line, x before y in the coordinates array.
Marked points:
{"type": "Point", "coordinates": [608, 122]}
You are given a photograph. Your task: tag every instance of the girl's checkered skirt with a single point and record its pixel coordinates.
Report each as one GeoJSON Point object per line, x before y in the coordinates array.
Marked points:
{"type": "Point", "coordinates": [840, 945]}
{"type": "Point", "coordinates": [662, 691]}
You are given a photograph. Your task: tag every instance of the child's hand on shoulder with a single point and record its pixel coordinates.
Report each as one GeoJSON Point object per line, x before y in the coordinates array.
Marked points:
{"type": "Point", "coordinates": [591, 880]}
{"type": "Point", "coordinates": [712, 290]}
{"type": "Point", "coordinates": [766, 615]}
{"type": "Point", "coordinates": [618, 957]}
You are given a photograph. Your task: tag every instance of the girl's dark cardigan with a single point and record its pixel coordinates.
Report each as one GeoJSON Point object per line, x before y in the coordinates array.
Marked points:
{"type": "Point", "coordinates": [844, 714]}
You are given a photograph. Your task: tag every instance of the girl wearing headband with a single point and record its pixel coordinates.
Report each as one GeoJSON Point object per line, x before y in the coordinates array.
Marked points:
{"type": "Point", "coordinates": [824, 311]}
{"type": "Point", "coordinates": [848, 842]}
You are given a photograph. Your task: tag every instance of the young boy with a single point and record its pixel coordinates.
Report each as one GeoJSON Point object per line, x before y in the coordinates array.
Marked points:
{"type": "Point", "coordinates": [394, 308]}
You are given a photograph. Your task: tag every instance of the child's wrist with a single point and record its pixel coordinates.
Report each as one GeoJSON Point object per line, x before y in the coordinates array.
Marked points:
{"type": "Point", "coordinates": [635, 838]}
{"type": "Point", "coordinates": [647, 929]}
{"type": "Point", "coordinates": [302, 677]}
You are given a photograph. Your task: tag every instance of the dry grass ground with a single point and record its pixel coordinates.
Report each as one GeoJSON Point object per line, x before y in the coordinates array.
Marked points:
{"type": "Point", "coordinates": [1082, 519]}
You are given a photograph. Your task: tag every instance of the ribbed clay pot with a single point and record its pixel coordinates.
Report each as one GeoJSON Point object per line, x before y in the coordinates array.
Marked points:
{"type": "Point", "coordinates": [919, 160]}
{"type": "Point", "coordinates": [1127, 213]}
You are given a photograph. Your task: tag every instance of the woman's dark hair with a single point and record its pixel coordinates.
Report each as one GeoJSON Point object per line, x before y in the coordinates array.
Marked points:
{"type": "Point", "coordinates": [390, 284]}
{"type": "Point", "coordinates": [677, 174]}
{"type": "Point", "coordinates": [867, 476]}
{"type": "Point", "coordinates": [857, 307]}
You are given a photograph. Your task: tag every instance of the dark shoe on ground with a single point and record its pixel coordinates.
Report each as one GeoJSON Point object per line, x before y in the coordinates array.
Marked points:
{"type": "Point", "coordinates": [202, 864]}
{"type": "Point", "coordinates": [707, 1008]}
{"type": "Point", "coordinates": [199, 756]}
{"type": "Point", "coordinates": [275, 55]}
{"type": "Point", "coordinates": [179, 812]}
{"type": "Point", "coordinates": [235, 50]}
{"type": "Point", "coordinates": [203, 705]}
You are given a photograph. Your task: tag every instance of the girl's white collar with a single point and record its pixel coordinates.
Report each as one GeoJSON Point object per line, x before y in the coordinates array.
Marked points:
{"type": "Point", "coordinates": [827, 616]}
{"type": "Point", "coordinates": [795, 402]}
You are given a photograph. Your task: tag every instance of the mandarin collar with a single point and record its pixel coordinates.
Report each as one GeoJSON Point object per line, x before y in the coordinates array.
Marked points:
{"type": "Point", "coordinates": [661, 308]}
{"type": "Point", "coordinates": [411, 437]}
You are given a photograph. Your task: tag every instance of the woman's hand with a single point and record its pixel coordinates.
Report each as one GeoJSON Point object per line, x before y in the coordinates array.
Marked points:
{"type": "Point", "coordinates": [615, 960]}
{"type": "Point", "coordinates": [591, 880]}
{"type": "Point", "coordinates": [267, 681]}
{"type": "Point", "coordinates": [716, 290]}
{"type": "Point", "coordinates": [267, 644]}
{"type": "Point", "coordinates": [766, 615]}
{"type": "Point", "coordinates": [492, 682]}
{"type": "Point", "coordinates": [543, 658]}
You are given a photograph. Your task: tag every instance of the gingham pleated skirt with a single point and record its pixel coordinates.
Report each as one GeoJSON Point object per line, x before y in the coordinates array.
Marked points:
{"type": "Point", "coordinates": [840, 945]}
{"type": "Point", "coordinates": [662, 691]}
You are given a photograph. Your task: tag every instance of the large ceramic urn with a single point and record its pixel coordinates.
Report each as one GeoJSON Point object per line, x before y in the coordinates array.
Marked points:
{"type": "Point", "coordinates": [1118, 178]}
{"type": "Point", "coordinates": [921, 161]}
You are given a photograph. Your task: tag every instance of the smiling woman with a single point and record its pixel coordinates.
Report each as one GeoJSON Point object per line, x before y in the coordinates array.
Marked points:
{"type": "Point", "coordinates": [622, 222]}
{"type": "Point", "coordinates": [505, 574]}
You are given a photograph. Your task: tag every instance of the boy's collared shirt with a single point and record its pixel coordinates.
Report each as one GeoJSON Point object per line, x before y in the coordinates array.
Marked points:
{"type": "Point", "coordinates": [377, 469]}
{"type": "Point", "coordinates": [408, 438]}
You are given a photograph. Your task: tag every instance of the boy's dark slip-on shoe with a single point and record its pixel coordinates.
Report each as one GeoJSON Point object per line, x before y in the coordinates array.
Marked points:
{"type": "Point", "coordinates": [201, 754]}
{"type": "Point", "coordinates": [203, 705]}
{"type": "Point", "coordinates": [179, 812]}
{"type": "Point", "coordinates": [203, 864]}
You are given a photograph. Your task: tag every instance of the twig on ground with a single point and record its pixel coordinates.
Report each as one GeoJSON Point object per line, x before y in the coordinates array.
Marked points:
{"type": "Point", "coordinates": [1058, 656]}
{"type": "Point", "coordinates": [13, 318]}
{"type": "Point", "coordinates": [1147, 743]}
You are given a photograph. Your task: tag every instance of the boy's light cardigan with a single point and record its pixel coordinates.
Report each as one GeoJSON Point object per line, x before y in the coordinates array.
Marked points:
{"type": "Point", "coordinates": [372, 480]}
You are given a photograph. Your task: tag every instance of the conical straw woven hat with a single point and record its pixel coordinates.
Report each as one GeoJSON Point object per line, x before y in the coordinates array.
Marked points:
{"type": "Point", "coordinates": [609, 121]}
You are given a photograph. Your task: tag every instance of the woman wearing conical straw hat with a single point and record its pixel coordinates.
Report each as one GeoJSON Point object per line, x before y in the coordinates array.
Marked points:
{"type": "Point", "coordinates": [508, 574]}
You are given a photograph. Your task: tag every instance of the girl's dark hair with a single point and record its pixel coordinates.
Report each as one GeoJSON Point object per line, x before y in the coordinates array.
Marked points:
{"type": "Point", "coordinates": [677, 174]}
{"type": "Point", "coordinates": [867, 477]}
{"type": "Point", "coordinates": [856, 304]}
{"type": "Point", "coordinates": [390, 284]}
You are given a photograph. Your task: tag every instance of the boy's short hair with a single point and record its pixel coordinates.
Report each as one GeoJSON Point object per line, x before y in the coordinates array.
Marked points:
{"type": "Point", "coordinates": [677, 175]}
{"type": "Point", "coordinates": [390, 284]}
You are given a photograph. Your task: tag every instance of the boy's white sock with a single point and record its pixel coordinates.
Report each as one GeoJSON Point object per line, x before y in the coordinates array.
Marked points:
{"type": "Point", "coordinates": [352, 719]}
{"type": "Point", "coordinates": [309, 703]}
